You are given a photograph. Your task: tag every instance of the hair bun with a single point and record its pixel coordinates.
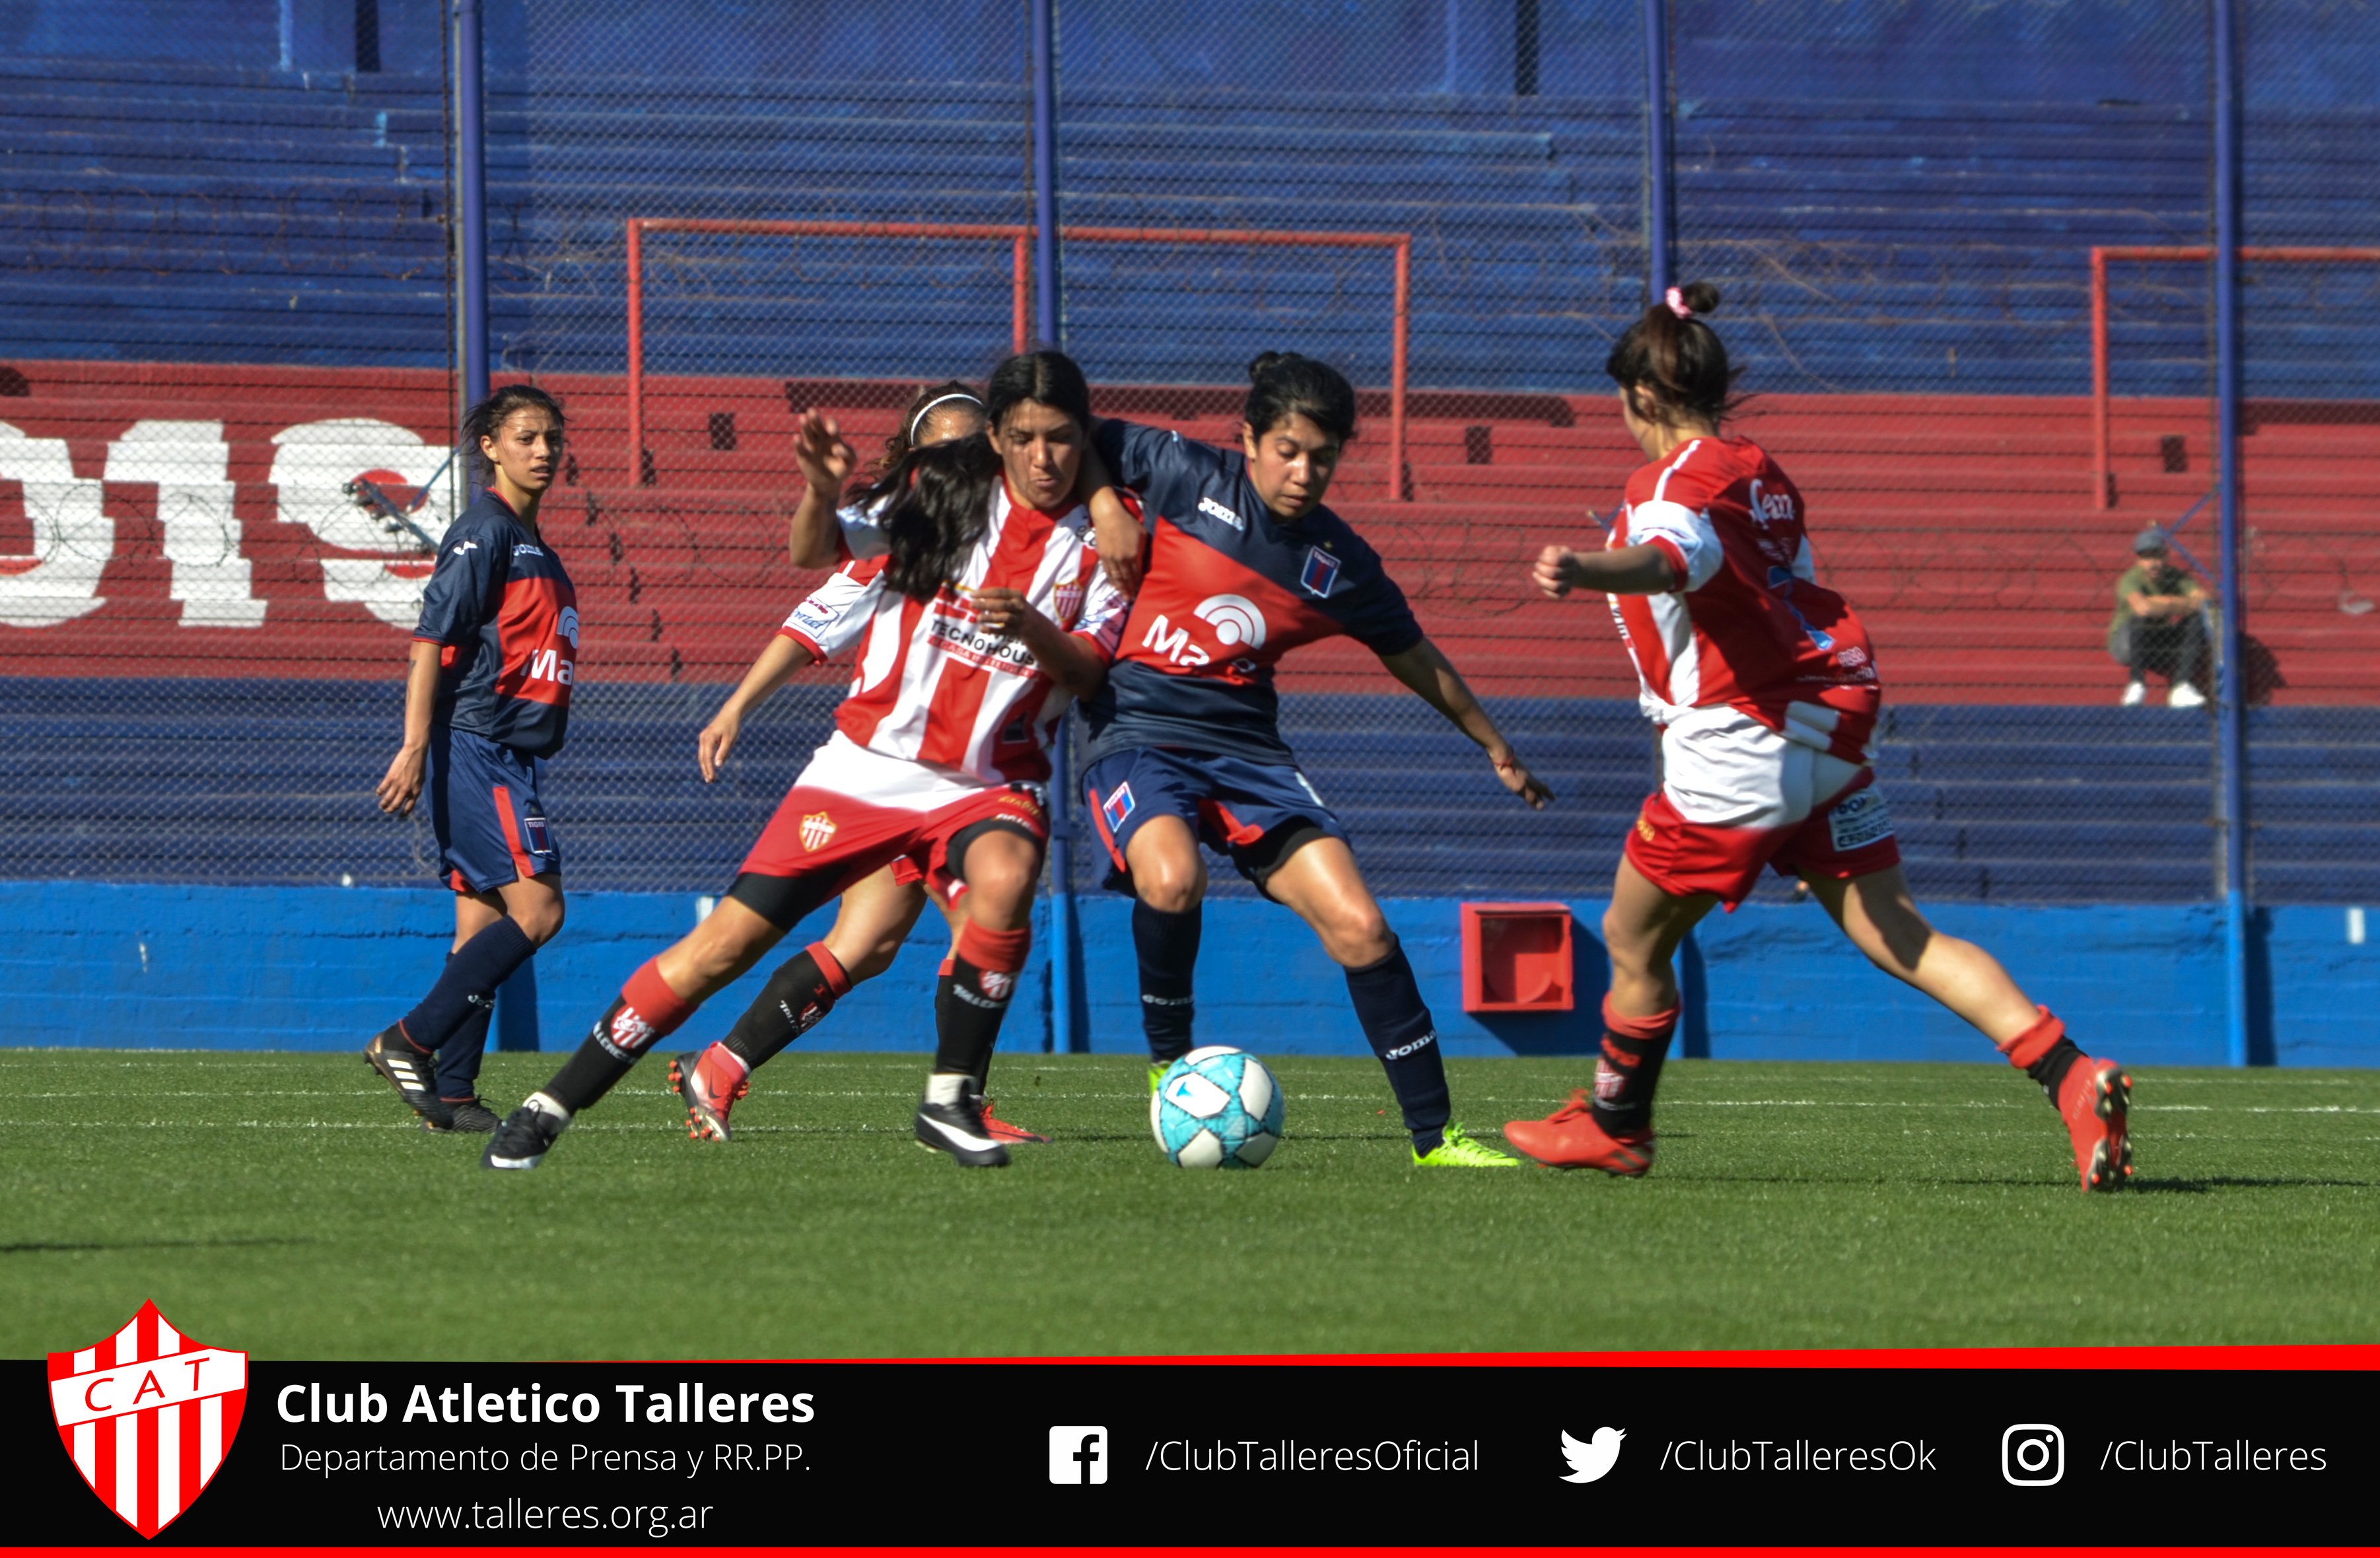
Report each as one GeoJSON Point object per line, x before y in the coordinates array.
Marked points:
{"type": "Point", "coordinates": [1701, 296]}
{"type": "Point", "coordinates": [1265, 362]}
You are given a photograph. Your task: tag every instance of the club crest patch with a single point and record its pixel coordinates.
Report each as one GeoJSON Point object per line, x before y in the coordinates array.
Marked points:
{"type": "Point", "coordinates": [1117, 807]}
{"type": "Point", "coordinates": [540, 841]}
{"type": "Point", "coordinates": [1320, 573]}
{"type": "Point", "coordinates": [818, 831]}
{"type": "Point", "coordinates": [997, 984]}
{"type": "Point", "coordinates": [147, 1416]}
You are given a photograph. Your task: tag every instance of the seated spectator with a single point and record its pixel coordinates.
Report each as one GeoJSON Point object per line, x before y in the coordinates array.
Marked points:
{"type": "Point", "coordinates": [2160, 623]}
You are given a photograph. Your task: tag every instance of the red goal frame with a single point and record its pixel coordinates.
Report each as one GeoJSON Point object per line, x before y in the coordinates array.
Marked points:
{"type": "Point", "coordinates": [1020, 239]}
{"type": "Point", "coordinates": [2102, 483]}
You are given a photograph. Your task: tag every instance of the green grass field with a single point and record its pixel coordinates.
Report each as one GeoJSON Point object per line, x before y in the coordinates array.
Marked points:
{"type": "Point", "coordinates": [283, 1204]}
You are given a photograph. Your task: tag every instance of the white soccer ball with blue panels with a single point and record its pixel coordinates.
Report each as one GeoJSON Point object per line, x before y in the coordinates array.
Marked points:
{"type": "Point", "coordinates": [1217, 1107]}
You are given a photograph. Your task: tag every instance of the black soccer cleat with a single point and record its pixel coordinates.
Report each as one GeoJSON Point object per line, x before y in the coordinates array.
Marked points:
{"type": "Point", "coordinates": [958, 1130]}
{"type": "Point", "coordinates": [412, 1074]}
{"type": "Point", "coordinates": [472, 1118]}
{"type": "Point", "coordinates": [524, 1140]}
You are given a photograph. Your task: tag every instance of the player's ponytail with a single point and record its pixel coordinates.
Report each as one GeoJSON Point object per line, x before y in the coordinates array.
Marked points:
{"type": "Point", "coordinates": [1674, 351]}
{"type": "Point", "coordinates": [1283, 384]}
{"type": "Point", "coordinates": [940, 506]}
{"type": "Point", "coordinates": [487, 418]}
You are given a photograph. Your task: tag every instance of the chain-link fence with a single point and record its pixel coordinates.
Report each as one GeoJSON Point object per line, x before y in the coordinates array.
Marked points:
{"type": "Point", "coordinates": [1956, 242]}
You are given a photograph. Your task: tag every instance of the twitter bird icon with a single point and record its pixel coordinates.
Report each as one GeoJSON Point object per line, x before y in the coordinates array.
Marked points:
{"type": "Point", "coordinates": [1591, 1458]}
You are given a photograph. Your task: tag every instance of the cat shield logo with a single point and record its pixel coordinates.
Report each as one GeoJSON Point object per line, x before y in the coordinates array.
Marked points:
{"type": "Point", "coordinates": [147, 1416]}
{"type": "Point", "coordinates": [817, 829]}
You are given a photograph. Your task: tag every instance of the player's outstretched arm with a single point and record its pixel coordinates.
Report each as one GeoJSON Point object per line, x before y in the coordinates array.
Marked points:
{"type": "Point", "coordinates": [1425, 669]}
{"type": "Point", "coordinates": [1072, 661]}
{"type": "Point", "coordinates": [826, 463]}
{"type": "Point", "coordinates": [402, 785]}
{"type": "Point", "coordinates": [784, 656]}
{"type": "Point", "coordinates": [1632, 570]}
{"type": "Point", "coordinates": [1121, 540]}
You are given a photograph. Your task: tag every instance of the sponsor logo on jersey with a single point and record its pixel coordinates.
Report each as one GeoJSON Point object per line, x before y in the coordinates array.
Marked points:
{"type": "Point", "coordinates": [461, 547]}
{"type": "Point", "coordinates": [1235, 618]}
{"type": "Point", "coordinates": [1022, 801]}
{"type": "Point", "coordinates": [166, 1406]}
{"type": "Point", "coordinates": [1117, 807]}
{"type": "Point", "coordinates": [997, 984]}
{"type": "Point", "coordinates": [818, 830]}
{"type": "Point", "coordinates": [1859, 820]}
{"type": "Point", "coordinates": [525, 549]}
{"type": "Point", "coordinates": [547, 665]}
{"type": "Point", "coordinates": [812, 619]}
{"type": "Point", "coordinates": [1769, 508]}
{"type": "Point", "coordinates": [970, 645]}
{"type": "Point", "coordinates": [1210, 507]}
{"type": "Point", "coordinates": [568, 625]}
{"type": "Point", "coordinates": [1320, 573]}
{"type": "Point", "coordinates": [540, 842]}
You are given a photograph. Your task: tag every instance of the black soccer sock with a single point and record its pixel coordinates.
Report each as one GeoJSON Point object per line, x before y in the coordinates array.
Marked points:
{"type": "Point", "coordinates": [459, 1057]}
{"type": "Point", "coordinates": [2051, 1068]}
{"type": "Point", "coordinates": [973, 998]}
{"type": "Point", "coordinates": [1397, 1025]}
{"type": "Point", "coordinates": [1168, 945]}
{"type": "Point", "coordinates": [646, 1011]}
{"type": "Point", "coordinates": [476, 968]}
{"type": "Point", "coordinates": [796, 999]}
{"type": "Point", "coordinates": [1629, 1070]}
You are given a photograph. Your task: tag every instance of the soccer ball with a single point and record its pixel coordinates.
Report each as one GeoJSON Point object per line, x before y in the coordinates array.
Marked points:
{"type": "Point", "coordinates": [1217, 1107]}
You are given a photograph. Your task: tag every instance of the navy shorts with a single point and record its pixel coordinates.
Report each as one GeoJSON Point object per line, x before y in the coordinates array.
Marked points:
{"type": "Point", "coordinates": [1258, 814]}
{"type": "Point", "coordinates": [485, 810]}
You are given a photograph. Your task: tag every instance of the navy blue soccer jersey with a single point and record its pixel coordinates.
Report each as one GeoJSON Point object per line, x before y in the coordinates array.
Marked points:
{"type": "Point", "coordinates": [1228, 590]}
{"type": "Point", "coordinates": [500, 604]}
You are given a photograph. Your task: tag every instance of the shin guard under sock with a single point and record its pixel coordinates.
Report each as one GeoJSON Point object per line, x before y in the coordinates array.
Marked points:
{"type": "Point", "coordinates": [647, 1010]}
{"type": "Point", "coordinates": [1397, 1025]}
{"type": "Point", "coordinates": [1168, 947]}
{"type": "Point", "coordinates": [1630, 1068]}
{"type": "Point", "coordinates": [459, 1057]}
{"type": "Point", "coordinates": [2043, 1052]}
{"type": "Point", "coordinates": [476, 968]}
{"type": "Point", "coordinates": [796, 999]}
{"type": "Point", "coordinates": [970, 1001]}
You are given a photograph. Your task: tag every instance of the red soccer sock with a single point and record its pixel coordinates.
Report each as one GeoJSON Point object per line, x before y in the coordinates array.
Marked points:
{"type": "Point", "coordinates": [2042, 1052]}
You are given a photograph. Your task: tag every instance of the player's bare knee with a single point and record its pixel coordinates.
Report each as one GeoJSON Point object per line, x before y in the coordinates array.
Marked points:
{"type": "Point", "coordinates": [540, 922]}
{"type": "Point", "coordinates": [1172, 886]}
{"type": "Point", "coordinates": [1357, 937]}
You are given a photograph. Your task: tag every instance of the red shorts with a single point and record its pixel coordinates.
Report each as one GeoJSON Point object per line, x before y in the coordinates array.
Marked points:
{"type": "Point", "coordinates": [1848, 836]}
{"type": "Point", "coordinates": [821, 832]}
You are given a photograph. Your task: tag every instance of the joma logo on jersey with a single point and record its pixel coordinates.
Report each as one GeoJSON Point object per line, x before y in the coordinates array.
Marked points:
{"type": "Point", "coordinates": [818, 830]}
{"type": "Point", "coordinates": [547, 665]}
{"type": "Point", "coordinates": [1210, 507]}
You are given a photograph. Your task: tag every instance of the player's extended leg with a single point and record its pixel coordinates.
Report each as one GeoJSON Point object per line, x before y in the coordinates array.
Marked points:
{"type": "Point", "coordinates": [1613, 1128]}
{"type": "Point", "coordinates": [1001, 867]}
{"type": "Point", "coordinates": [460, 1056]}
{"type": "Point", "coordinates": [493, 939]}
{"type": "Point", "coordinates": [1168, 880]}
{"type": "Point", "coordinates": [657, 999]}
{"type": "Point", "coordinates": [875, 918]}
{"type": "Point", "coordinates": [1319, 882]}
{"type": "Point", "coordinates": [995, 1128]}
{"type": "Point", "coordinates": [1880, 915]}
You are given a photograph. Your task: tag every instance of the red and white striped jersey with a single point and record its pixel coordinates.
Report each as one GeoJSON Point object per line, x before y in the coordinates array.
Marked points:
{"type": "Point", "coordinates": [963, 709]}
{"type": "Point", "coordinates": [1748, 626]}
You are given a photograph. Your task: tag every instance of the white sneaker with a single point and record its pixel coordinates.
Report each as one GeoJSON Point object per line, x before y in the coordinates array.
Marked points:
{"type": "Point", "coordinates": [2184, 696]}
{"type": "Point", "coordinates": [2133, 693]}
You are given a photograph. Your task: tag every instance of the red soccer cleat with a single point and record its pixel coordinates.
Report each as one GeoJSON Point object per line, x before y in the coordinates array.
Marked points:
{"type": "Point", "coordinates": [1000, 1130]}
{"type": "Point", "coordinates": [701, 1082]}
{"type": "Point", "coordinates": [1569, 1138]}
{"type": "Point", "coordinates": [2094, 1099]}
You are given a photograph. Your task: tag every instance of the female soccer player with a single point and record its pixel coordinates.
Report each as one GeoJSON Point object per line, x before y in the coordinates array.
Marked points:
{"type": "Point", "coordinates": [1244, 564]}
{"type": "Point", "coordinates": [1765, 690]}
{"type": "Point", "coordinates": [486, 702]}
{"type": "Point", "coordinates": [987, 613]}
{"type": "Point", "coordinates": [878, 912]}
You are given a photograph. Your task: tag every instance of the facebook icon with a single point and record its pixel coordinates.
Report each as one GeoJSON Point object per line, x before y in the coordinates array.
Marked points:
{"type": "Point", "coordinates": [1078, 1454]}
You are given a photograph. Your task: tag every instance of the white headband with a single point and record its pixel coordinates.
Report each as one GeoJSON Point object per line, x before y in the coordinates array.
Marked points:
{"type": "Point", "coordinates": [928, 409]}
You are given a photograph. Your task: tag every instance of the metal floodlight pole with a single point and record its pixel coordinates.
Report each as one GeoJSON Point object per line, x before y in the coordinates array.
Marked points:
{"type": "Point", "coordinates": [2231, 716]}
{"type": "Point", "coordinates": [471, 190]}
{"type": "Point", "coordinates": [1660, 155]}
{"type": "Point", "coordinates": [1050, 324]}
